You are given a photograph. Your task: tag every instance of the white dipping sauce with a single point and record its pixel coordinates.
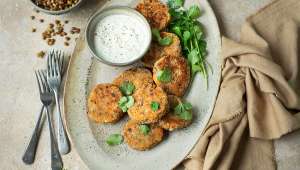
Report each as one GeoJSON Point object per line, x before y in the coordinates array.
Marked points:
{"type": "Point", "coordinates": [120, 38]}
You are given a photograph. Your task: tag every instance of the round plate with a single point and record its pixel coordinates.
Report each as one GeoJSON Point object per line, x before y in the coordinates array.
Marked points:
{"type": "Point", "coordinates": [89, 138]}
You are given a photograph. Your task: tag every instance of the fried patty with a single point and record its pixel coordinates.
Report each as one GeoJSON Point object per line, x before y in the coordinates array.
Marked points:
{"type": "Point", "coordinates": [171, 121]}
{"type": "Point", "coordinates": [103, 104]}
{"type": "Point", "coordinates": [180, 72]}
{"type": "Point", "coordinates": [155, 12]}
{"type": "Point", "coordinates": [139, 76]}
{"type": "Point", "coordinates": [141, 111]}
{"type": "Point", "coordinates": [139, 141]}
{"type": "Point", "coordinates": [157, 51]}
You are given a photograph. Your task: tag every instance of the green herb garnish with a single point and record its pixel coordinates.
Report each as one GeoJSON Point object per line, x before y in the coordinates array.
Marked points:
{"type": "Point", "coordinates": [154, 106]}
{"type": "Point", "coordinates": [175, 3]}
{"type": "Point", "coordinates": [185, 25]}
{"type": "Point", "coordinates": [145, 129]}
{"type": "Point", "coordinates": [183, 110]}
{"type": "Point", "coordinates": [127, 88]}
{"type": "Point", "coordinates": [161, 41]}
{"type": "Point", "coordinates": [125, 103]}
{"type": "Point", "coordinates": [194, 12]}
{"type": "Point", "coordinates": [164, 75]}
{"type": "Point", "coordinates": [114, 139]}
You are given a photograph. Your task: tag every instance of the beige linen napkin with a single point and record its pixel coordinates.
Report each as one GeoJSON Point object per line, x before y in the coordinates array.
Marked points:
{"type": "Point", "coordinates": [258, 99]}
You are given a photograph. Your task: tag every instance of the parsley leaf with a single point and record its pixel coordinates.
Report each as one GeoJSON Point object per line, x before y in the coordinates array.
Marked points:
{"type": "Point", "coordinates": [145, 129]}
{"type": "Point", "coordinates": [156, 34]}
{"type": "Point", "coordinates": [186, 115]}
{"type": "Point", "coordinates": [165, 41]}
{"type": "Point", "coordinates": [161, 41]}
{"type": "Point", "coordinates": [175, 3]}
{"type": "Point", "coordinates": [125, 103]}
{"type": "Point", "coordinates": [183, 110]}
{"type": "Point", "coordinates": [194, 12]}
{"type": "Point", "coordinates": [130, 101]}
{"type": "Point", "coordinates": [127, 88]}
{"type": "Point", "coordinates": [164, 75]}
{"type": "Point", "coordinates": [114, 139]}
{"type": "Point", "coordinates": [154, 106]}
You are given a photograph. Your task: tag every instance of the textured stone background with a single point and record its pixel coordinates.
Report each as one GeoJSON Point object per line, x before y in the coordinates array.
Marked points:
{"type": "Point", "coordinates": [19, 102]}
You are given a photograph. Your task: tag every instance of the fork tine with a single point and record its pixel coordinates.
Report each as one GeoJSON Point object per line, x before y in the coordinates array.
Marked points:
{"type": "Point", "coordinates": [62, 64]}
{"type": "Point", "coordinates": [41, 81]}
{"type": "Point", "coordinates": [49, 63]}
{"type": "Point", "coordinates": [44, 81]}
{"type": "Point", "coordinates": [57, 69]}
{"type": "Point", "coordinates": [43, 73]}
{"type": "Point", "coordinates": [38, 81]}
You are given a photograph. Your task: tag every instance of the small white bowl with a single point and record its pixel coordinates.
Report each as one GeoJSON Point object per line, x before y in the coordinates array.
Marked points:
{"type": "Point", "coordinates": [116, 10]}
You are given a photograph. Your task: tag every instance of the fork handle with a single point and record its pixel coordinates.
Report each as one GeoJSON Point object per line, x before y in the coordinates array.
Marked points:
{"type": "Point", "coordinates": [63, 140]}
{"type": "Point", "coordinates": [30, 151]}
{"type": "Point", "coordinates": [56, 161]}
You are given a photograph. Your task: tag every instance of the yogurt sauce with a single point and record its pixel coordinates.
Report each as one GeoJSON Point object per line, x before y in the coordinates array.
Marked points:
{"type": "Point", "coordinates": [120, 38]}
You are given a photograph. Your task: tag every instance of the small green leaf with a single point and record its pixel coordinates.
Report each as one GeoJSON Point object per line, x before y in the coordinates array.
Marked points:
{"type": "Point", "coordinates": [165, 41]}
{"type": "Point", "coordinates": [182, 110]}
{"type": "Point", "coordinates": [194, 12]}
{"type": "Point", "coordinates": [198, 31]}
{"type": "Point", "coordinates": [145, 129]}
{"type": "Point", "coordinates": [127, 88]}
{"type": "Point", "coordinates": [164, 75]}
{"type": "Point", "coordinates": [125, 103]}
{"type": "Point", "coordinates": [156, 34]}
{"type": "Point", "coordinates": [193, 57]}
{"type": "Point", "coordinates": [186, 36]}
{"type": "Point", "coordinates": [114, 139]}
{"type": "Point", "coordinates": [154, 106]}
{"type": "Point", "coordinates": [186, 115]}
{"type": "Point", "coordinates": [176, 30]}
{"type": "Point", "coordinates": [175, 3]}
{"type": "Point", "coordinates": [195, 69]}
{"type": "Point", "coordinates": [187, 106]}
{"type": "Point", "coordinates": [179, 109]}
{"type": "Point", "coordinates": [130, 101]}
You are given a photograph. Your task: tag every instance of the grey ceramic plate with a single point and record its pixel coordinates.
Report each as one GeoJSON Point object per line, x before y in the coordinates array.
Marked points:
{"type": "Point", "coordinates": [88, 138]}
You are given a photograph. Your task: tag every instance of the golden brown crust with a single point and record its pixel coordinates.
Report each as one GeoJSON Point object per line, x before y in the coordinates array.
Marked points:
{"type": "Point", "coordinates": [157, 51]}
{"type": "Point", "coordinates": [139, 76]}
{"type": "Point", "coordinates": [141, 110]}
{"type": "Point", "coordinates": [103, 104]}
{"type": "Point", "coordinates": [155, 12]}
{"type": "Point", "coordinates": [139, 141]}
{"type": "Point", "coordinates": [180, 74]}
{"type": "Point", "coordinates": [171, 121]}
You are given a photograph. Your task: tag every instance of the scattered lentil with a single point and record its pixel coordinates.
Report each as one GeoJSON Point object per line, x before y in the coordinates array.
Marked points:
{"type": "Point", "coordinates": [67, 38]}
{"type": "Point", "coordinates": [40, 54]}
{"type": "Point", "coordinates": [51, 41]}
{"type": "Point", "coordinates": [66, 44]}
{"type": "Point", "coordinates": [42, 20]}
{"type": "Point", "coordinates": [33, 30]}
{"type": "Point", "coordinates": [32, 17]}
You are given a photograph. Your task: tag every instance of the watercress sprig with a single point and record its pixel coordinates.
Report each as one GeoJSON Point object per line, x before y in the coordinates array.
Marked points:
{"type": "Point", "coordinates": [185, 25]}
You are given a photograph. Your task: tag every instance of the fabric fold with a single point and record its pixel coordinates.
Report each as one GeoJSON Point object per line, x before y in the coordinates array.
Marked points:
{"type": "Point", "coordinates": [258, 99]}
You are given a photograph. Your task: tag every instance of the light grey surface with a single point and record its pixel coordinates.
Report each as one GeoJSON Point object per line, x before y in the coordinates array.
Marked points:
{"type": "Point", "coordinates": [19, 104]}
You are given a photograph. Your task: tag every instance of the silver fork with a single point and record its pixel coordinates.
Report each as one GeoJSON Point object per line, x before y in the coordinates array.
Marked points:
{"type": "Point", "coordinates": [55, 60]}
{"type": "Point", "coordinates": [47, 98]}
{"type": "Point", "coordinates": [30, 151]}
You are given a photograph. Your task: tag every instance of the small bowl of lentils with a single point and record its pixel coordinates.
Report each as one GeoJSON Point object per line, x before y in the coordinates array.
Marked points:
{"type": "Point", "coordinates": [56, 7]}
